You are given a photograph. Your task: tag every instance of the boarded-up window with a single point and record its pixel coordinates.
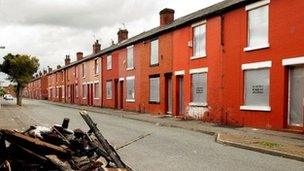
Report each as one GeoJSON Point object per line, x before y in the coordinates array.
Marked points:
{"type": "Point", "coordinates": [258, 27]}
{"type": "Point", "coordinates": [96, 90]}
{"type": "Point", "coordinates": [154, 53]}
{"type": "Point", "coordinates": [109, 89]}
{"type": "Point", "coordinates": [130, 57]}
{"type": "Point", "coordinates": [199, 88]}
{"type": "Point", "coordinates": [83, 68]}
{"type": "Point", "coordinates": [154, 89]}
{"type": "Point", "coordinates": [96, 66]}
{"type": "Point", "coordinates": [84, 91]}
{"type": "Point", "coordinates": [76, 90]}
{"type": "Point", "coordinates": [130, 88]}
{"type": "Point", "coordinates": [199, 40]}
{"type": "Point", "coordinates": [256, 87]}
{"type": "Point", "coordinates": [109, 62]}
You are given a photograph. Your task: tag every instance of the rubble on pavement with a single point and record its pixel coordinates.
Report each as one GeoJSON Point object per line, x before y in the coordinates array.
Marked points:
{"type": "Point", "coordinates": [58, 148]}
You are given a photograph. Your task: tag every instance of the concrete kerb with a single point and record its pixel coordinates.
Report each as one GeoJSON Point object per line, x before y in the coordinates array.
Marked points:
{"type": "Point", "coordinates": [164, 124]}
{"type": "Point", "coordinates": [257, 149]}
{"type": "Point", "coordinates": [207, 132]}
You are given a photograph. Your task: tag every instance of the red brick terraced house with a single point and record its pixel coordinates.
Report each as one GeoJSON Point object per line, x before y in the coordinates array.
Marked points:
{"type": "Point", "coordinates": [238, 62]}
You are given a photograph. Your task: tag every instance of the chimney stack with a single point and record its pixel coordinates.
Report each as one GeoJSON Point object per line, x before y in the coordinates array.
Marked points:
{"type": "Point", "coordinates": [79, 56]}
{"type": "Point", "coordinates": [58, 66]}
{"type": "Point", "coordinates": [67, 60]}
{"type": "Point", "coordinates": [122, 35]}
{"type": "Point", "coordinates": [40, 73]}
{"type": "Point", "coordinates": [44, 72]}
{"type": "Point", "coordinates": [166, 16]}
{"type": "Point", "coordinates": [49, 69]}
{"type": "Point", "coordinates": [96, 47]}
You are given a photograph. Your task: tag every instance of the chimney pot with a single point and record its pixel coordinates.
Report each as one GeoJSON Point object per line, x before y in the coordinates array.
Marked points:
{"type": "Point", "coordinates": [67, 60]}
{"type": "Point", "coordinates": [58, 66]}
{"type": "Point", "coordinates": [49, 69]}
{"type": "Point", "coordinates": [122, 35]}
{"type": "Point", "coordinates": [166, 16]}
{"type": "Point", "coordinates": [44, 71]}
{"type": "Point", "coordinates": [96, 47]}
{"type": "Point", "coordinates": [79, 56]}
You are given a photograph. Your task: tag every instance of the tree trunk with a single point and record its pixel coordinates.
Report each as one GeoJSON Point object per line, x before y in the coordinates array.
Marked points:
{"type": "Point", "coordinates": [19, 95]}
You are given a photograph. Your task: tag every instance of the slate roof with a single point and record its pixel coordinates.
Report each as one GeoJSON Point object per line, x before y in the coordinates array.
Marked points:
{"type": "Point", "coordinates": [215, 9]}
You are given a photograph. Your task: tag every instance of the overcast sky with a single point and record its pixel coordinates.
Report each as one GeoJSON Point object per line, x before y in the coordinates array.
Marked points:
{"type": "Point", "coordinates": [50, 29]}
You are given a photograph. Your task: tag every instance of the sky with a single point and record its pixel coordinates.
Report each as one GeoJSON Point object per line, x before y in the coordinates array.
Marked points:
{"type": "Point", "coordinates": [51, 29]}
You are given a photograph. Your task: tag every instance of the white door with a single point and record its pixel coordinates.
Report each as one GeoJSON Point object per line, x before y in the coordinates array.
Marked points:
{"type": "Point", "coordinates": [296, 96]}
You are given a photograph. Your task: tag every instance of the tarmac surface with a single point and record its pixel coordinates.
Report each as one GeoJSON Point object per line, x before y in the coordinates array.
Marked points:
{"type": "Point", "coordinates": [162, 148]}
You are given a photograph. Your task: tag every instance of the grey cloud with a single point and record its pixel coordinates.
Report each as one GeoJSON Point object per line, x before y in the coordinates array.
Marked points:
{"type": "Point", "coordinates": [91, 14]}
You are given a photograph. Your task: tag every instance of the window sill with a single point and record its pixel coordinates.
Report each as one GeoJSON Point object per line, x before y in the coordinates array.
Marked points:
{"type": "Point", "coordinates": [198, 104]}
{"type": "Point", "coordinates": [198, 57]}
{"type": "Point", "coordinates": [129, 69]}
{"type": "Point", "coordinates": [130, 100]}
{"type": "Point", "coordinates": [108, 98]}
{"type": "Point", "coordinates": [84, 98]}
{"type": "Point", "coordinates": [248, 49]}
{"type": "Point", "coordinates": [153, 102]}
{"type": "Point", "coordinates": [256, 108]}
{"type": "Point", "coordinates": [96, 75]}
{"type": "Point", "coordinates": [154, 65]}
{"type": "Point", "coordinates": [97, 98]}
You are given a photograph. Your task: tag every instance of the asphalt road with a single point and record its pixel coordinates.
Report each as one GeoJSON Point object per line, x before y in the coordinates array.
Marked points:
{"type": "Point", "coordinates": [165, 149]}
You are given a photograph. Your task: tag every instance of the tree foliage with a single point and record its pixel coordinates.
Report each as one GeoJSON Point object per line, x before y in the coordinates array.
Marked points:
{"type": "Point", "coordinates": [20, 70]}
{"type": "Point", "coordinates": [2, 91]}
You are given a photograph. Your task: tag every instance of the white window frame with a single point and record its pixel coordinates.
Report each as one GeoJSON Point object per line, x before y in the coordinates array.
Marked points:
{"type": "Point", "coordinates": [84, 90]}
{"type": "Point", "coordinates": [128, 49]}
{"type": "Point", "coordinates": [158, 100]}
{"type": "Point", "coordinates": [200, 71]}
{"type": "Point", "coordinates": [255, 66]}
{"type": "Point", "coordinates": [76, 91]}
{"type": "Point", "coordinates": [109, 98]}
{"type": "Point", "coordinates": [130, 78]}
{"type": "Point", "coordinates": [109, 64]}
{"type": "Point", "coordinates": [201, 23]}
{"type": "Point", "coordinates": [96, 67]}
{"type": "Point", "coordinates": [96, 82]}
{"type": "Point", "coordinates": [248, 8]}
{"type": "Point", "coordinates": [83, 69]}
{"type": "Point", "coordinates": [152, 52]}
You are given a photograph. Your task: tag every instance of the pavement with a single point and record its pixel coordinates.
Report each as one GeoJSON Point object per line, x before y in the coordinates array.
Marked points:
{"type": "Point", "coordinates": [157, 147]}
{"type": "Point", "coordinates": [283, 144]}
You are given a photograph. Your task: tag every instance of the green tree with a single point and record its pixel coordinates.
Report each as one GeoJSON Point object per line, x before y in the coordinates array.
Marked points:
{"type": "Point", "coordinates": [20, 70]}
{"type": "Point", "coordinates": [2, 92]}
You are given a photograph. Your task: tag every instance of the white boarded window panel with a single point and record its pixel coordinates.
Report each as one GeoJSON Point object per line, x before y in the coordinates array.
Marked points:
{"type": "Point", "coordinates": [84, 91]}
{"type": "Point", "coordinates": [109, 62]}
{"type": "Point", "coordinates": [96, 90]}
{"type": "Point", "coordinates": [258, 26]}
{"type": "Point", "coordinates": [154, 89]}
{"type": "Point", "coordinates": [130, 56]}
{"type": "Point", "coordinates": [199, 88]}
{"type": "Point", "coordinates": [257, 87]}
{"type": "Point", "coordinates": [130, 89]}
{"type": "Point", "coordinates": [154, 52]}
{"type": "Point", "coordinates": [199, 40]}
{"type": "Point", "coordinates": [109, 89]}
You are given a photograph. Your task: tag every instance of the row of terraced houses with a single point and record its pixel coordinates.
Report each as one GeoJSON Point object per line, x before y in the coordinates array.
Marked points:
{"type": "Point", "coordinates": [238, 62]}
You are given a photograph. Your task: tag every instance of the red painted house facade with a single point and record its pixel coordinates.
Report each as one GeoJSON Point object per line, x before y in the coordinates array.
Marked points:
{"type": "Point", "coordinates": [238, 62]}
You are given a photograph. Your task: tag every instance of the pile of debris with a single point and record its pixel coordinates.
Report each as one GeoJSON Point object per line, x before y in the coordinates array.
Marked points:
{"type": "Point", "coordinates": [58, 148]}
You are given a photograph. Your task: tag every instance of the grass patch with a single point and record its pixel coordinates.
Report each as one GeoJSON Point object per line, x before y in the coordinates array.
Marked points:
{"type": "Point", "coordinates": [269, 144]}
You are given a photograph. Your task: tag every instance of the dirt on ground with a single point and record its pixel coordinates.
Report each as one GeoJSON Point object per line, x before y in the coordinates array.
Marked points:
{"type": "Point", "coordinates": [267, 144]}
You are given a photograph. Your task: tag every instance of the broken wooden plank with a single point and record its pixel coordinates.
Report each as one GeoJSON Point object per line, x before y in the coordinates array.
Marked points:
{"type": "Point", "coordinates": [104, 143]}
{"type": "Point", "coordinates": [34, 144]}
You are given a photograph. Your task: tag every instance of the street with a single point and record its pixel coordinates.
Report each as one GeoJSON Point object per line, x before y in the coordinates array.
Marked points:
{"type": "Point", "coordinates": [165, 149]}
